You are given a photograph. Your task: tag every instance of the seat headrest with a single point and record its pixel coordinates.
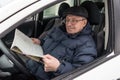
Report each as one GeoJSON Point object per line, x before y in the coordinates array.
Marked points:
{"type": "Point", "coordinates": [100, 5]}
{"type": "Point", "coordinates": [93, 12]}
{"type": "Point", "coordinates": [62, 8]}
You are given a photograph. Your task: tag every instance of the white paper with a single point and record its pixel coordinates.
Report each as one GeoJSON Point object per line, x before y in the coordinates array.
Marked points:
{"type": "Point", "coordinates": [26, 45]}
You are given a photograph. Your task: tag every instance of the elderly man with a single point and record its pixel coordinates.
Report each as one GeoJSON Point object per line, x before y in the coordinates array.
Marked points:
{"type": "Point", "coordinates": [65, 47]}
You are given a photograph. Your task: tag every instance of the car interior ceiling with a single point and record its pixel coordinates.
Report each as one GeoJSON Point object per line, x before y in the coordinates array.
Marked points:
{"type": "Point", "coordinates": [31, 28]}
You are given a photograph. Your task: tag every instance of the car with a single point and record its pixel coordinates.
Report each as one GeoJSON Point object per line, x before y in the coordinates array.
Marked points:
{"type": "Point", "coordinates": [34, 17]}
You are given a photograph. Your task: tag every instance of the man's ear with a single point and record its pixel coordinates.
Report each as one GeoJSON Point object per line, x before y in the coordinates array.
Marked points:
{"type": "Point", "coordinates": [84, 22]}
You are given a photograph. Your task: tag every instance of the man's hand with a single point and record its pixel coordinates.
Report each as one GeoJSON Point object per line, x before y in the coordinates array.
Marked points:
{"type": "Point", "coordinates": [50, 63]}
{"type": "Point", "coordinates": [35, 40]}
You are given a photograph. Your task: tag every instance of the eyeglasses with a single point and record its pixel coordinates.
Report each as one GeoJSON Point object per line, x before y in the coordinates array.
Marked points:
{"type": "Point", "coordinates": [73, 20]}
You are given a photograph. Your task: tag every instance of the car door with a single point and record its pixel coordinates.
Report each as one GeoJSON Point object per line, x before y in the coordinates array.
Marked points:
{"type": "Point", "coordinates": [107, 63]}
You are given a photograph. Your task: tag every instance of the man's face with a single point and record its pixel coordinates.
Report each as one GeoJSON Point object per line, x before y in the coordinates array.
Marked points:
{"type": "Point", "coordinates": [74, 24]}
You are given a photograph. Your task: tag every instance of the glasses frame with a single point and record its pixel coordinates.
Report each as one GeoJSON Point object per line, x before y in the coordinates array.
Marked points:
{"type": "Point", "coordinates": [73, 21]}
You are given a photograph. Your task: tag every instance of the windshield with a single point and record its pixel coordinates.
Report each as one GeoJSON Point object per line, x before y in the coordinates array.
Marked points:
{"type": "Point", "coordinates": [5, 2]}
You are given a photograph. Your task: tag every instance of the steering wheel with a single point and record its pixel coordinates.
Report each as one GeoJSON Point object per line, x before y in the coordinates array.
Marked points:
{"type": "Point", "coordinates": [15, 59]}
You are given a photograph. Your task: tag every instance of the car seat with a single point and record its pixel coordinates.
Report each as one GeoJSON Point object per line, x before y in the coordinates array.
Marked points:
{"type": "Point", "coordinates": [95, 19]}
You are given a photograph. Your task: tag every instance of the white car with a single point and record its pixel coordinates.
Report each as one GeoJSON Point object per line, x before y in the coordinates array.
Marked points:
{"type": "Point", "coordinates": [33, 17]}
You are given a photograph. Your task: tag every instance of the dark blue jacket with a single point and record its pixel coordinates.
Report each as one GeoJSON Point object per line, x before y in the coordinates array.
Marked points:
{"type": "Point", "coordinates": [71, 50]}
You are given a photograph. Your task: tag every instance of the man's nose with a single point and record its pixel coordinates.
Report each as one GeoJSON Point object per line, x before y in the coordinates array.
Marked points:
{"type": "Point", "coordinates": [69, 23]}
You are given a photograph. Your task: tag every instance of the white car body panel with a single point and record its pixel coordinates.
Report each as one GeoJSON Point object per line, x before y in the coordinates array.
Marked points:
{"type": "Point", "coordinates": [105, 71]}
{"type": "Point", "coordinates": [14, 7]}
